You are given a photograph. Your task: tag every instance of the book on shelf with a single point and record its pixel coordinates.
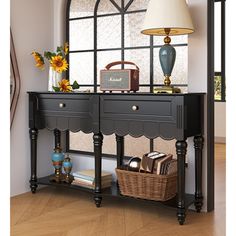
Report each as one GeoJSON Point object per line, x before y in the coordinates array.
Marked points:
{"type": "Point", "coordinates": [172, 167]}
{"type": "Point", "coordinates": [83, 183]}
{"type": "Point", "coordinates": [160, 164]}
{"type": "Point", "coordinates": [78, 180]}
{"type": "Point", "coordinates": [148, 161]}
{"type": "Point", "coordinates": [90, 175]}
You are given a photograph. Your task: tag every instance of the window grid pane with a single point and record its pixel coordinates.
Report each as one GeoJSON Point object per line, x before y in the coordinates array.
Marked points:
{"type": "Point", "coordinates": [81, 68]}
{"type": "Point", "coordinates": [137, 5]}
{"type": "Point", "coordinates": [109, 32]}
{"type": "Point", "coordinates": [133, 37]}
{"type": "Point", "coordinates": [106, 7]}
{"type": "Point", "coordinates": [82, 8]}
{"type": "Point", "coordinates": [81, 34]}
{"type": "Point", "coordinates": [141, 57]}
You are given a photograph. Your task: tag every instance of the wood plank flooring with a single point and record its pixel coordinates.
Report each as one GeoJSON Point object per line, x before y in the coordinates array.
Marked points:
{"type": "Point", "coordinates": [57, 212]}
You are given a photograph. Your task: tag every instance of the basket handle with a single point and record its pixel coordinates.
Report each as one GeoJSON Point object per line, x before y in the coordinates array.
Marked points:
{"type": "Point", "coordinates": [120, 62]}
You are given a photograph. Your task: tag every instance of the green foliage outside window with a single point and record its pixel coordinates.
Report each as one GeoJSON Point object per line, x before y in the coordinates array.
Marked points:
{"type": "Point", "coordinates": [217, 88]}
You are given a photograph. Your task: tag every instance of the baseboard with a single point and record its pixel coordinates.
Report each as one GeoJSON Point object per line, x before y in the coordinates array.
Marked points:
{"type": "Point", "coordinates": [220, 139]}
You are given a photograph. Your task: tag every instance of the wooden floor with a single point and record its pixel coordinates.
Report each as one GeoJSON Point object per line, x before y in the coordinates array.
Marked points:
{"type": "Point", "coordinates": [56, 212]}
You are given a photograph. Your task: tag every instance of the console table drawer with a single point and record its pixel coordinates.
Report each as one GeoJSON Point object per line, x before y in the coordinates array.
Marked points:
{"type": "Point", "coordinates": [70, 106]}
{"type": "Point", "coordinates": [142, 108]}
{"type": "Point", "coordinates": [65, 111]}
{"type": "Point", "coordinates": [167, 116]}
{"type": "Point", "coordinates": [138, 115]}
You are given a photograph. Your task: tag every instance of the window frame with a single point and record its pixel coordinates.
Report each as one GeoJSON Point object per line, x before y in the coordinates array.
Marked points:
{"type": "Point", "coordinates": [222, 72]}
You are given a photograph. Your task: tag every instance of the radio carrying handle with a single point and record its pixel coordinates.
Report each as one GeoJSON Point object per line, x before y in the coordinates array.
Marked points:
{"type": "Point", "coordinates": [120, 62]}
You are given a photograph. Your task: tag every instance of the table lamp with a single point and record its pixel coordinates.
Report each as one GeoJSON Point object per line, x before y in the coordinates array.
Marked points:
{"type": "Point", "coordinates": [166, 18]}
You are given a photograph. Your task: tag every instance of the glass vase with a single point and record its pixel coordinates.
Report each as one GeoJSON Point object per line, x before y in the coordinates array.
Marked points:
{"type": "Point", "coordinates": [53, 79]}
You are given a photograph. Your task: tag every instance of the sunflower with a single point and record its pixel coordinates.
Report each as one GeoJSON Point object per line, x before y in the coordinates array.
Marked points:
{"type": "Point", "coordinates": [59, 64]}
{"type": "Point", "coordinates": [66, 48]}
{"type": "Point", "coordinates": [65, 86]}
{"type": "Point", "coordinates": [38, 60]}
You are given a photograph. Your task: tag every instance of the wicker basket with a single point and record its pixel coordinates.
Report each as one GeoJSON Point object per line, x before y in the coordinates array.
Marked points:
{"type": "Point", "coordinates": [147, 186]}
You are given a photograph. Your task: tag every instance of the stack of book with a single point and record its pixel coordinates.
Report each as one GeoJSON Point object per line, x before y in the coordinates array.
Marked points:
{"type": "Point", "coordinates": [165, 165]}
{"type": "Point", "coordinates": [86, 178]}
{"type": "Point", "coordinates": [148, 161]}
{"type": "Point", "coordinates": [158, 163]}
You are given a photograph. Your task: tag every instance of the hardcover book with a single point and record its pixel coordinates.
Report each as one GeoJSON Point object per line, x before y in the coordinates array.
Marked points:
{"type": "Point", "coordinates": [148, 161]}
{"type": "Point", "coordinates": [90, 175]}
{"type": "Point", "coordinates": [172, 167]}
{"type": "Point", "coordinates": [160, 163]}
{"type": "Point", "coordinates": [90, 185]}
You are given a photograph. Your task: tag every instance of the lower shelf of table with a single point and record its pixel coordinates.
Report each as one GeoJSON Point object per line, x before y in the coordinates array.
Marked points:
{"type": "Point", "coordinates": [114, 191]}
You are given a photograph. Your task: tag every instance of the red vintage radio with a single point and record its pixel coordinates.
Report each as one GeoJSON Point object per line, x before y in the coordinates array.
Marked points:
{"type": "Point", "coordinates": [119, 79]}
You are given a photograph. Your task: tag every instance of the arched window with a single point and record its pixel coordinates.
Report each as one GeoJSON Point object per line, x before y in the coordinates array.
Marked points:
{"type": "Point", "coordinates": [103, 31]}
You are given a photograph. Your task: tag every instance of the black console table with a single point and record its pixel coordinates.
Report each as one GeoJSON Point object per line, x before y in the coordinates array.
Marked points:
{"type": "Point", "coordinates": [169, 116]}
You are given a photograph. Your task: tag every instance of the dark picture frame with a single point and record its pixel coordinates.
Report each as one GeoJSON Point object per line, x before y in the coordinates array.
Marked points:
{"type": "Point", "coordinates": [14, 80]}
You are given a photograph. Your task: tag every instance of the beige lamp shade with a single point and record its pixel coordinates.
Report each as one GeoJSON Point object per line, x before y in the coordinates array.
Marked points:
{"type": "Point", "coordinates": [167, 15]}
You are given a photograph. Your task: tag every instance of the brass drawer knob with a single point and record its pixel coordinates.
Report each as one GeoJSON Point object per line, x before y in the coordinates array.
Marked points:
{"type": "Point", "coordinates": [135, 108]}
{"type": "Point", "coordinates": [61, 105]}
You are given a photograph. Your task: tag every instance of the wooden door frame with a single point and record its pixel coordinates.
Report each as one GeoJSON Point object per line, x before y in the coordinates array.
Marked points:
{"type": "Point", "coordinates": [210, 108]}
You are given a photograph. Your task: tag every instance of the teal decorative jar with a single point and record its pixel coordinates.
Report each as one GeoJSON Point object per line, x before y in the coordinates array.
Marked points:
{"type": "Point", "coordinates": [57, 158]}
{"type": "Point", "coordinates": [67, 166]}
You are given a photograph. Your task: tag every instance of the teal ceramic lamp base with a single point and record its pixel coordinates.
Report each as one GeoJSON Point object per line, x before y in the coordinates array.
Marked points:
{"type": "Point", "coordinates": [167, 55]}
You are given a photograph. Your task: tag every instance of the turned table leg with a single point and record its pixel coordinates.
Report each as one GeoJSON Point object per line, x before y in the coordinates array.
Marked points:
{"type": "Point", "coordinates": [198, 146]}
{"type": "Point", "coordinates": [181, 149]}
{"type": "Point", "coordinates": [57, 135]}
{"type": "Point", "coordinates": [97, 140]}
{"type": "Point", "coordinates": [119, 150]}
{"type": "Point", "coordinates": [33, 155]}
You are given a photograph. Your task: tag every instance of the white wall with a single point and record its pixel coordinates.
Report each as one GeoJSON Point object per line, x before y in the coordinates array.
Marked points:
{"type": "Point", "coordinates": [32, 29]}
{"type": "Point", "coordinates": [220, 122]}
{"type": "Point", "coordinates": [59, 16]}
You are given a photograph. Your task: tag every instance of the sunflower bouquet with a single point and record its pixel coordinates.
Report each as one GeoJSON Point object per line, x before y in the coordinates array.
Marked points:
{"type": "Point", "coordinates": [58, 63]}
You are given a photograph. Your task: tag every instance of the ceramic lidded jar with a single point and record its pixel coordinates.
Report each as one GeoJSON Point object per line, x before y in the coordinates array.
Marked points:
{"type": "Point", "coordinates": [57, 158]}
